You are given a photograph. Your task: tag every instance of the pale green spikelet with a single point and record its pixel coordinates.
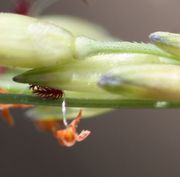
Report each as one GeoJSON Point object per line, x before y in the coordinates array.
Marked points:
{"type": "Point", "coordinates": [83, 75]}
{"type": "Point", "coordinates": [148, 81]}
{"type": "Point", "coordinates": [169, 42]}
{"type": "Point", "coordinates": [29, 42]}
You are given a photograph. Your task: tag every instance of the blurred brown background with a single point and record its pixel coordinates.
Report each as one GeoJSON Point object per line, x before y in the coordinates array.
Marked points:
{"type": "Point", "coordinates": [127, 143]}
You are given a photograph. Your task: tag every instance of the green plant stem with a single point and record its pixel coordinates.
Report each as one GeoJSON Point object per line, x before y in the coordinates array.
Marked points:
{"type": "Point", "coordinates": [89, 103]}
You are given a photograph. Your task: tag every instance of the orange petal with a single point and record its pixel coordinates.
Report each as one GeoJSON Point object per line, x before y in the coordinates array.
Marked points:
{"type": "Point", "coordinates": [83, 135]}
{"type": "Point", "coordinates": [66, 137]}
{"type": "Point", "coordinates": [8, 117]}
{"type": "Point", "coordinates": [3, 90]}
{"type": "Point", "coordinates": [6, 114]}
{"type": "Point", "coordinates": [76, 121]}
{"type": "Point", "coordinates": [5, 108]}
{"type": "Point", "coordinates": [48, 125]}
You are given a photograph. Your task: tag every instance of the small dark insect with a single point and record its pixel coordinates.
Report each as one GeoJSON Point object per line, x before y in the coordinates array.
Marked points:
{"type": "Point", "coordinates": [46, 92]}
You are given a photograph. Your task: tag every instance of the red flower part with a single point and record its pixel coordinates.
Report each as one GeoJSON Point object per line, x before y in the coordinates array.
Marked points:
{"type": "Point", "coordinates": [22, 7]}
{"type": "Point", "coordinates": [69, 136]}
{"type": "Point", "coordinates": [2, 69]}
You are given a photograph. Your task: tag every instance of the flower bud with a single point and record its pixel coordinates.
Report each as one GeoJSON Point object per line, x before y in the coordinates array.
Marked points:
{"type": "Point", "coordinates": [169, 42]}
{"type": "Point", "coordinates": [29, 42]}
{"type": "Point", "coordinates": [148, 81]}
{"type": "Point", "coordinates": [83, 75]}
{"type": "Point", "coordinates": [85, 47]}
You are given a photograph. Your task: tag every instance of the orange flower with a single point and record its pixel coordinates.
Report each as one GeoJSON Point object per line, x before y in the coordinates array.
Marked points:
{"type": "Point", "coordinates": [4, 108]}
{"type": "Point", "coordinates": [68, 137]}
{"type": "Point", "coordinates": [48, 125]}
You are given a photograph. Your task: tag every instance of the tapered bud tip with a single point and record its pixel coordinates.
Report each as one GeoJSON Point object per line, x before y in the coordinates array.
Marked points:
{"type": "Point", "coordinates": [155, 37]}
{"type": "Point", "coordinates": [110, 80]}
{"type": "Point", "coordinates": [19, 78]}
{"type": "Point", "coordinates": [165, 38]}
{"type": "Point", "coordinates": [169, 42]}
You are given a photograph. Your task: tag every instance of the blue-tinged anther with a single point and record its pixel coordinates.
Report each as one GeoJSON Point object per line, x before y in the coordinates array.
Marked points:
{"type": "Point", "coordinates": [169, 42]}
{"type": "Point", "coordinates": [155, 37]}
{"type": "Point", "coordinates": [110, 80]}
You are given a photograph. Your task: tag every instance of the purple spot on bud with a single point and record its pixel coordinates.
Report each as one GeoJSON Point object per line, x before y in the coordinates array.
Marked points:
{"type": "Point", "coordinates": [110, 80]}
